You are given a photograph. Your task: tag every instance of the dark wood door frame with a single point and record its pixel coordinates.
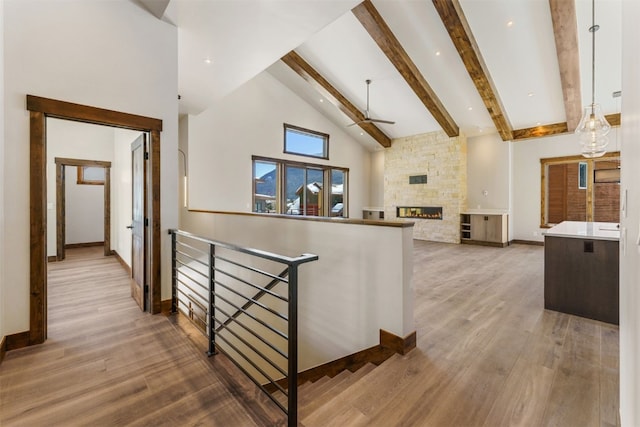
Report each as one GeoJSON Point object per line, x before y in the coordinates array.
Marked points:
{"type": "Point", "coordinates": [61, 206]}
{"type": "Point", "coordinates": [39, 109]}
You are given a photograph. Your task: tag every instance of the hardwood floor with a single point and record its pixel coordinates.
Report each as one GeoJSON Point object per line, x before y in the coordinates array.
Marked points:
{"type": "Point", "coordinates": [106, 363]}
{"type": "Point", "coordinates": [487, 354]}
{"type": "Point", "coordinates": [480, 319]}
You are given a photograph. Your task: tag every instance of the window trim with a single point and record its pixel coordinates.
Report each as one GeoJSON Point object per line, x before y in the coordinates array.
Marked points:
{"type": "Point", "coordinates": [81, 179]}
{"type": "Point", "coordinates": [324, 136]}
{"type": "Point", "coordinates": [281, 165]}
{"type": "Point", "coordinates": [544, 162]}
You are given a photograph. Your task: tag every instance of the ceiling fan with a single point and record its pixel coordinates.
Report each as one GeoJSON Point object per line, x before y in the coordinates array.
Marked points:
{"type": "Point", "coordinates": [368, 119]}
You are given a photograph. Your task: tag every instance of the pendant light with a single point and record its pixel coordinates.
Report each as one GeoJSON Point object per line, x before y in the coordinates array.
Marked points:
{"type": "Point", "coordinates": [593, 127]}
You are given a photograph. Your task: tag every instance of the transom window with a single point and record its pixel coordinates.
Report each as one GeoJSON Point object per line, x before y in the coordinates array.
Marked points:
{"type": "Point", "coordinates": [90, 175]}
{"type": "Point", "coordinates": [294, 188]}
{"type": "Point", "coordinates": [305, 142]}
{"type": "Point", "coordinates": [579, 189]}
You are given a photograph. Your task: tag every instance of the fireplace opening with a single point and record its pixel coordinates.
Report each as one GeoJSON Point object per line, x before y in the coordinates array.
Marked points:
{"type": "Point", "coordinates": [420, 212]}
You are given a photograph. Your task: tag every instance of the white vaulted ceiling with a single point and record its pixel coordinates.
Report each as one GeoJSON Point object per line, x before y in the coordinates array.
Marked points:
{"type": "Point", "coordinates": [246, 37]}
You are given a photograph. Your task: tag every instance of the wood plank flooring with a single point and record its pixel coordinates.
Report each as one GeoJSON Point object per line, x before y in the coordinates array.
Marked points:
{"type": "Point", "coordinates": [106, 363]}
{"type": "Point", "coordinates": [487, 354]}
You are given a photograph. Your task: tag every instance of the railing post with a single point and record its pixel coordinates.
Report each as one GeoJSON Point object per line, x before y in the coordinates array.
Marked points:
{"type": "Point", "coordinates": [292, 405]}
{"type": "Point", "coordinates": [212, 276]}
{"type": "Point", "coordinates": [174, 275]}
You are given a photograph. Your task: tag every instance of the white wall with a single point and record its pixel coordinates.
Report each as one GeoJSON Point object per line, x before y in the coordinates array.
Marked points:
{"type": "Point", "coordinates": [108, 54]}
{"type": "Point", "coordinates": [526, 157]}
{"type": "Point", "coordinates": [84, 210]}
{"type": "Point", "coordinates": [121, 193]}
{"type": "Point", "coordinates": [250, 122]}
{"type": "Point", "coordinates": [488, 161]}
{"type": "Point", "coordinates": [360, 284]}
{"type": "Point", "coordinates": [75, 140]}
{"type": "Point", "coordinates": [629, 251]}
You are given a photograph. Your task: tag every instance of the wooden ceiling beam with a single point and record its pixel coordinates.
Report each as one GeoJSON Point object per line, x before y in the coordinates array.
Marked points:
{"type": "Point", "coordinates": [459, 30]}
{"type": "Point", "coordinates": [319, 83]}
{"type": "Point", "coordinates": [378, 29]}
{"type": "Point", "coordinates": [565, 30]}
{"type": "Point", "coordinates": [555, 129]}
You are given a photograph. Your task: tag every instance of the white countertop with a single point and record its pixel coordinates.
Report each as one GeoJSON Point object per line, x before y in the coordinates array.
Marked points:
{"type": "Point", "coordinates": [586, 230]}
{"type": "Point", "coordinates": [484, 212]}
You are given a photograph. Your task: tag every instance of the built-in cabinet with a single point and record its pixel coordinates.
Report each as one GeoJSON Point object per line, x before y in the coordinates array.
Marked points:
{"type": "Point", "coordinates": [484, 228]}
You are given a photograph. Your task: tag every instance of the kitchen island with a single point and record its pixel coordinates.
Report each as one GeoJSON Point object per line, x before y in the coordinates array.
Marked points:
{"type": "Point", "coordinates": [581, 269]}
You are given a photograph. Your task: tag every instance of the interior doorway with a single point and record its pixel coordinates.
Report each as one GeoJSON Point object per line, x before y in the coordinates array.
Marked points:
{"type": "Point", "coordinates": [40, 109]}
{"type": "Point", "coordinates": [61, 204]}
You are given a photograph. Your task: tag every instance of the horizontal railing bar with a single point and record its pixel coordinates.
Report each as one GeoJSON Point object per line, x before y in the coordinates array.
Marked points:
{"type": "Point", "coordinates": [200, 305]}
{"type": "Point", "coordinates": [256, 252]}
{"type": "Point", "coordinates": [252, 347]}
{"type": "Point", "coordinates": [253, 285]}
{"type": "Point", "coordinates": [248, 329]}
{"type": "Point", "coordinates": [255, 270]}
{"type": "Point", "coordinates": [193, 316]}
{"type": "Point", "coordinates": [192, 269]}
{"type": "Point", "coordinates": [252, 363]}
{"type": "Point", "coordinates": [193, 299]}
{"type": "Point", "coordinates": [257, 296]}
{"type": "Point", "coordinates": [257, 303]}
{"type": "Point", "coordinates": [189, 260]}
{"type": "Point", "coordinates": [262, 322]}
{"type": "Point", "coordinates": [189, 256]}
{"type": "Point", "coordinates": [186, 245]}
{"type": "Point", "coordinates": [256, 382]}
{"type": "Point", "coordinates": [190, 288]}
{"type": "Point", "coordinates": [185, 314]}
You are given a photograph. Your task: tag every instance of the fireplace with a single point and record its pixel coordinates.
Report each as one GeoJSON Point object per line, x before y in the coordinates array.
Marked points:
{"type": "Point", "coordinates": [419, 212]}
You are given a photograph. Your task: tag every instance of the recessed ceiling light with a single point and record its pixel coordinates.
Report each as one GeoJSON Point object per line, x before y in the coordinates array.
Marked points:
{"type": "Point", "coordinates": [321, 100]}
{"type": "Point", "coordinates": [510, 24]}
{"type": "Point", "coordinates": [538, 124]}
{"type": "Point", "coordinates": [361, 133]}
{"type": "Point", "coordinates": [207, 61]}
{"type": "Point", "coordinates": [469, 108]}
{"type": "Point", "coordinates": [438, 53]}
{"type": "Point", "coordinates": [530, 94]}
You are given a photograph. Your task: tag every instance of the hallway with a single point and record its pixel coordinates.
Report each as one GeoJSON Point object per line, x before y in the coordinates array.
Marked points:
{"type": "Point", "coordinates": [106, 363]}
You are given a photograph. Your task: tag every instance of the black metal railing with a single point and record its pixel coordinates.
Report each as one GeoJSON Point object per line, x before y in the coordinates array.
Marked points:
{"type": "Point", "coordinates": [246, 302]}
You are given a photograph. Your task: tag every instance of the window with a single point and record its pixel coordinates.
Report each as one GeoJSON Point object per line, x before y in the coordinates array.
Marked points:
{"type": "Point", "coordinates": [90, 175]}
{"type": "Point", "coordinates": [579, 189]}
{"type": "Point", "coordinates": [305, 142]}
{"type": "Point", "coordinates": [295, 188]}
{"type": "Point", "coordinates": [582, 175]}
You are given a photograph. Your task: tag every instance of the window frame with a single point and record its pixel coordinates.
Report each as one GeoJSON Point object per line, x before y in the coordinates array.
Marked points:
{"type": "Point", "coordinates": [544, 162]}
{"type": "Point", "coordinates": [81, 178]}
{"type": "Point", "coordinates": [298, 129]}
{"type": "Point", "coordinates": [281, 202]}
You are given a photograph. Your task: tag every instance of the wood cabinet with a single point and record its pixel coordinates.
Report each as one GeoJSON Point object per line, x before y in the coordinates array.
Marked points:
{"type": "Point", "coordinates": [484, 229]}
{"type": "Point", "coordinates": [581, 277]}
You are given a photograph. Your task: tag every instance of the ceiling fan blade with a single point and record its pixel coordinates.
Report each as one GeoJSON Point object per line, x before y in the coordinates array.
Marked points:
{"type": "Point", "coordinates": [389, 122]}
{"type": "Point", "coordinates": [354, 123]}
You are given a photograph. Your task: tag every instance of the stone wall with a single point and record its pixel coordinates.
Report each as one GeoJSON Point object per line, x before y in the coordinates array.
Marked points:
{"type": "Point", "coordinates": [444, 161]}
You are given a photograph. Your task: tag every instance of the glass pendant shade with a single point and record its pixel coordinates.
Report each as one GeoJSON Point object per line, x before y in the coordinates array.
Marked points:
{"type": "Point", "coordinates": [592, 131]}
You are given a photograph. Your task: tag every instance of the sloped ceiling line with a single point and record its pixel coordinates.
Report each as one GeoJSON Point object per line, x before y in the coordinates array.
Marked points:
{"type": "Point", "coordinates": [320, 84]}
{"type": "Point", "coordinates": [459, 30]}
{"type": "Point", "coordinates": [380, 32]}
{"type": "Point", "coordinates": [565, 29]}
